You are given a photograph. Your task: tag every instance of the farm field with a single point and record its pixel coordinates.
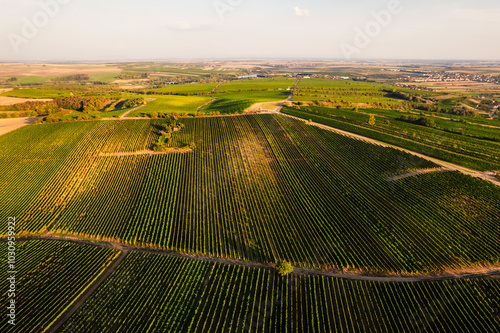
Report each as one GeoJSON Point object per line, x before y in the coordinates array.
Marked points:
{"type": "Point", "coordinates": [188, 89]}
{"type": "Point", "coordinates": [180, 295]}
{"type": "Point", "coordinates": [263, 185]}
{"type": "Point", "coordinates": [237, 102]}
{"type": "Point", "coordinates": [36, 93]}
{"type": "Point", "coordinates": [50, 277]}
{"type": "Point", "coordinates": [314, 197]}
{"type": "Point", "coordinates": [258, 84]}
{"type": "Point", "coordinates": [164, 104]}
{"type": "Point", "coordinates": [342, 90]}
{"type": "Point", "coordinates": [459, 145]}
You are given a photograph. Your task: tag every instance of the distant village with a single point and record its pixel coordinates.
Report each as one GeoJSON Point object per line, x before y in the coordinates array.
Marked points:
{"type": "Point", "coordinates": [434, 76]}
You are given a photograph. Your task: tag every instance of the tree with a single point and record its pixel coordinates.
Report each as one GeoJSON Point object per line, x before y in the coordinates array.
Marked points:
{"type": "Point", "coordinates": [371, 120]}
{"type": "Point", "coordinates": [154, 114]}
{"type": "Point", "coordinates": [284, 267]}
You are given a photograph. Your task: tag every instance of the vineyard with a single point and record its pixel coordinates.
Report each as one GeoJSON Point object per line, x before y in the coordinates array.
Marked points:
{"type": "Point", "coordinates": [150, 293]}
{"type": "Point", "coordinates": [51, 275]}
{"type": "Point", "coordinates": [257, 188]}
{"type": "Point", "coordinates": [472, 152]}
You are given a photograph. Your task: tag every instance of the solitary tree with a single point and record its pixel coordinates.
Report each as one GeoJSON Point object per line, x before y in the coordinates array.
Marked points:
{"type": "Point", "coordinates": [371, 120]}
{"type": "Point", "coordinates": [284, 267]}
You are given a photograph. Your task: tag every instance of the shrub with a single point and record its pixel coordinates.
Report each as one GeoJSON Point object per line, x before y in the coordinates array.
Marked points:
{"type": "Point", "coordinates": [371, 120]}
{"type": "Point", "coordinates": [284, 267]}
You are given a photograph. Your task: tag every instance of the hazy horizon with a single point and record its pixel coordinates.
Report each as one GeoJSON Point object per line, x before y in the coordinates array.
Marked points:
{"type": "Point", "coordinates": [72, 30]}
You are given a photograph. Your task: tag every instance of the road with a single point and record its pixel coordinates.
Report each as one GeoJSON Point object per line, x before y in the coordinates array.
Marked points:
{"type": "Point", "coordinates": [350, 275]}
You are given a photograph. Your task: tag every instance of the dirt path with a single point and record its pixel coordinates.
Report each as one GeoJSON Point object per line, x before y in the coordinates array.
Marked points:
{"type": "Point", "coordinates": [207, 103]}
{"type": "Point", "coordinates": [217, 87]}
{"type": "Point", "coordinates": [72, 309]}
{"type": "Point", "coordinates": [148, 100]}
{"type": "Point", "coordinates": [417, 172]}
{"type": "Point", "coordinates": [488, 176]}
{"type": "Point", "coordinates": [148, 152]}
{"type": "Point", "coordinates": [351, 275]}
{"type": "Point", "coordinates": [11, 124]}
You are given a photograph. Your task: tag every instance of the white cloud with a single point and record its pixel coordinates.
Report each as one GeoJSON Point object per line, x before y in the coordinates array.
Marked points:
{"type": "Point", "coordinates": [189, 26]}
{"type": "Point", "coordinates": [301, 12]}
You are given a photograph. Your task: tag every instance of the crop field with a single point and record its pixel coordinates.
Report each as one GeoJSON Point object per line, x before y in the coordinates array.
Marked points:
{"type": "Point", "coordinates": [228, 103]}
{"type": "Point", "coordinates": [103, 77]}
{"type": "Point", "coordinates": [459, 145]}
{"type": "Point", "coordinates": [258, 188]}
{"type": "Point", "coordinates": [51, 275]}
{"type": "Point", "coordinates": [257, 84]}
{"type": "Point", "coordinates": [36, 93]}
{"type": "Point", "coordinates": [188, 89]}
{"type": "Point", "coordinates": [181, 295]}
{"type": "Point", "coordinates": [274, 204]}
{"type": "Point", "coordinates": [342, 90]}
{"type": "Point", "coordinates": [27, 79]}
{"type": "Point", "coordinates": [165, 104]}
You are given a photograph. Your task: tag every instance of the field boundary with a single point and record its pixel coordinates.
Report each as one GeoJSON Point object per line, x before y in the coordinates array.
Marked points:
{"type": "Point", "coordinates": [465, 273]}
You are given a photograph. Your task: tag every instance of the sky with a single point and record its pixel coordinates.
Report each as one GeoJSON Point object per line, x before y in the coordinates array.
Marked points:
{"type": "Point", "coordinates": [103, 30]}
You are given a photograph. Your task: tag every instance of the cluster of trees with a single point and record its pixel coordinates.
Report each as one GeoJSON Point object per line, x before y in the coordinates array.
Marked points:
{"type": "Point", "coordinates": [428, 107]}
{"type": "Point", "coordinates": [463, 111]}
{"type": "Point", "coordinates": [422, 121]}
{"type": "Point", "coordinates": [75, 77]}
{"type": "Point", "coordinates": [133, 102]}
{"type": "Point", "coordinates": [403, 95]}
{"type": "Point", "coordinates": [132, 76]}
{"type": "Point", "coordinates": [172, 124]}
{"type": "Point", "coordinates": [80, 103]}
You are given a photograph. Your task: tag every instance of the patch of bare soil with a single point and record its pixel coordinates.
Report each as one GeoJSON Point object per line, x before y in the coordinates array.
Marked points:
{"type": "Point", "coordinates": [17, 69]}
{"type": "Point", "coordinates": [149, 152]}
{"type": "Point", "coordinates": [11, 124]}
{"type": "Point", "coordinates": [266, 106]}
{"type": "Point", "coordinates": [4, 100]}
